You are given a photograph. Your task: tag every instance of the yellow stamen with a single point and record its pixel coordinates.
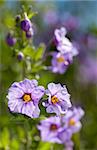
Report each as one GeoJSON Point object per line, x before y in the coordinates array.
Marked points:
{"type": "Point", "coordinates": [60, 59]}
{"type": "Point", "coordinates": [71, 122]}
{"type": "Point", "coordinates": [54, 99]}
{"type": "Point", "coordinates": [27, 97]}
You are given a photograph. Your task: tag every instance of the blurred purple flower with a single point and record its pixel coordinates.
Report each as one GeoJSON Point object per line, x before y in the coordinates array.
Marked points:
{"type": "Point", "coordinates": [92, 42]}
{"type": "Point", "coordinates": [10, 40]}
{"type": "Point", "coordinates": [62, 43]}
{"type": "Point", "coordinates": [60, 62]}
{"type": "Point", "coordinates": [24, 97]}
{"type": "Point", "coordinates": [49, 129]}
{"type": "Point", "coordinates": [50, 17]}
{"type": "Point", "coordinates": [88, 71]}
{"type": "Point", "coordinates": [65, 136]}
{"type": "Point", "coordinates": [58, 99]}
{"type": "Point", "coordinates": [71, 23]}
{"type": "Point", "coordinates": [72, 119]}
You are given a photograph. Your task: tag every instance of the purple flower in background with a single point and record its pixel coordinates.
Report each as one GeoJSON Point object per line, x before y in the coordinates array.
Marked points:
{"type": "Point", "coordinates": [49, 129]}
{"type": "Point", "coordinates": [87, 71]}
{"type": "Point", "coordinates": [50, 17]}
{"type": "Point", "coordinates": [60, 62]}
{"type": "Point", "coordinates": [10, 40]}
{"type": "Point", "coordinates": [62, 43]}
{"type": "Point", "coordinates": [65, 136]}
{"type": "Point", "coordinates": [24, 97]}
{"type": "Point", "coordinates": [72, 119]}
{"type": "Point", "coordinates": [71, 23]}
{"type": "Point", "coordinates": [58, 99]}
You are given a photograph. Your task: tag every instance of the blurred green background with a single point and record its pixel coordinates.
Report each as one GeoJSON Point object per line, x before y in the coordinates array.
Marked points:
{"type": "Point", "coordinates": [80, 17]}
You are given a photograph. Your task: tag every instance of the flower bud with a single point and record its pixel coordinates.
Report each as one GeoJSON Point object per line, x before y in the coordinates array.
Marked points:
{"type": "Point", "coordinates": [10, 40]}
{"type": "Point", "coordinates": [20, 56]}
{"type": "Point", "coordinates": [29, 33]}
{"type": "Point", "coordinates": [17, 18]}
{"type": "Point", "coordinates": [26, 23]}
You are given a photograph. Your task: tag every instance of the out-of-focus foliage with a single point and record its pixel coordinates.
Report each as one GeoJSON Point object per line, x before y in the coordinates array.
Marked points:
{"type": "Point", "coordinates": [15, 132]}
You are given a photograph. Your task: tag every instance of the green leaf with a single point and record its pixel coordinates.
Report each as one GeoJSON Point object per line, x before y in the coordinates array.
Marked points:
{"type": "Point", "coordinates": [32, 14]}
{"type": "Point", "coordinates": [29, 51]}
{"type": "Point", "coordinates": [39, 52]}
{"type": "Point", "coordinates": [44, 146]}
{"type": "Point", "coordinates": [5, 138]}
{"type": "Point", "coordinates": [15, 144]}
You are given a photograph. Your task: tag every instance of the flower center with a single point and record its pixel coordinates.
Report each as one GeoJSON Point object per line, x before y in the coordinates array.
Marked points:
{"type": "Point", "coordinates": [27, 97]}
{"type": "Point", "coordinates": [72, 122]}
{"type": "Point", "coordinates": [54, 99]}
{"type": "Point", "coordinates": [60, 59]}
{"type": "Point", "coordinates": [53, 127]}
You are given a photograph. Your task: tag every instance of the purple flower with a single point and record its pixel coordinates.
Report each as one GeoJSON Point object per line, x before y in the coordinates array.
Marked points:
{"type": "Point", "coordinates": [26, 23]}
{"type": "Point", "coordinates": [58, 99]}
{"type": "Point", "coordinates": [65, 136]}
{"type": "Point", "coordinates": [49, 129]}
{"type": "Point", "coordinates": [10, 40]}
{"type": "Point", "coordinates": [60, 62]}
{"type": "Point", "coordinates": [72, 119]}
{"type": "Point", "coordinates": [62, 43]}
{"type": "Point", "coordinates": [24, 97]}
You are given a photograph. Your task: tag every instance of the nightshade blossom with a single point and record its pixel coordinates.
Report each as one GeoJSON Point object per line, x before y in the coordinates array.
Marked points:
{"type": "Point", "coordinates": [23, 97]}
{"type": "Point", "coordinates": [49, 129]}
{"type": "Point", "coordinates": [62, 43]}
{"type": "Point", "coordinates": [58, 99]}
{"type": "Point", "coordinates": [60, 62]}
{"type": "Point", "coordinates": [72, 119]}
{"type": "Point", "coordinates": [65, 136]}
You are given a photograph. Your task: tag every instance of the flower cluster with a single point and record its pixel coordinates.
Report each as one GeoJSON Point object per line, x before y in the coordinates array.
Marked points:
{"type": "Point", "coordinates": [60, 129]}
{"type": "Point", "coordinates": [65, 52]}
{"type": "Point", "coordinates": [24, 98]}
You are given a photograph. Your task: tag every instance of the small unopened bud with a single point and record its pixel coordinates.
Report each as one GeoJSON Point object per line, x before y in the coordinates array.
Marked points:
{"type": "Point", "coordinates": [20, 56]}
{"type": "Point", "coordinates": [29, 33]}
{"type": "Point", "coordinates": [18, 18]}
{"type": "Point", "coordinates": [26, 23]}
{"type": "Point", "coordinates": [10, 40]}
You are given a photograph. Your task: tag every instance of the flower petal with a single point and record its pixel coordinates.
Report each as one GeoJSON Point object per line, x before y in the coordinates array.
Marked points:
{"type": "Point", "coordinates": [37, 94]}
